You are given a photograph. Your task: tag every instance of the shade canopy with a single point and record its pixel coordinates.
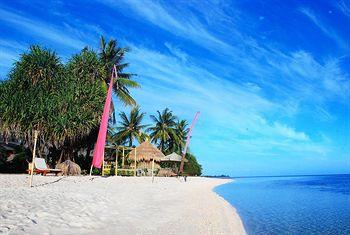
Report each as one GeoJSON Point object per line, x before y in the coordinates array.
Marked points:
{"type": "Point", "coordinates": [146, 152]}
{"type": "Point", "coordinates": [173, 157]}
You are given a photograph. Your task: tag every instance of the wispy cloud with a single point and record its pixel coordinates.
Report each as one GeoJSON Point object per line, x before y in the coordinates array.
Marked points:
{"type": "Point", "coordinates": [302, 75]}
{"type": "Point", "coordinates": [286, 73]}
{"type": "Point", "coordinates": [324, 28]}
{"type": "Point", "coordinates": [7, 57]}
{"type": "Point", "coordinates": [176, 51]}
{"type": "Point", "coordinates": [310, 80]}
{"type": "Point", "coordinates": [173, 21]}
{"type": "Point", "coordinates": [252, 93]}
{"type": "Point", "coordinates": [229, 111]}
{"type": "Point", "coordinates": [9, 52]}
{"type": "Point", "coordinates": [289, 132]}
{"type": "Point", "coordinates": [344, 7]}
{"type": "Point", "coordinates": [39, 29]}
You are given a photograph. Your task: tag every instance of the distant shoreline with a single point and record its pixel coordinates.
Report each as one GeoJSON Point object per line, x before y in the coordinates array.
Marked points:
{"type": "Point", "coordinates": [269, 176]}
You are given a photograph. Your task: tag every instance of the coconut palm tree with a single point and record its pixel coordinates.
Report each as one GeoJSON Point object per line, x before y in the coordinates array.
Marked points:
{"type": "Point", "coordinates": [164, 129]}
{"type": "Point", "coordinates": [131, 127]}
{"type": "Point", "coordinates": [111, 54]}
{"type": "Point", "coordinates": [177, 144]}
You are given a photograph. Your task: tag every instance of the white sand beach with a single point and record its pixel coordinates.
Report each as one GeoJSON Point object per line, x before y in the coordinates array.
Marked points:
{"type": "Point", "coordinates": [114, 205]}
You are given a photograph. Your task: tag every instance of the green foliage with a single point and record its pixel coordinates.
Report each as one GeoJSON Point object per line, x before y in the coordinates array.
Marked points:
{"type": "Point", "coordinates": [63, 102]}
{"type": "Point", "coordinates": [111, 54]}
{"type": "Point", "coordinates": [130, 127]}
{"type": "Point", "coordinates": [177, 143]}
{"type": "Point", "coordinates": [170, 134]}
{"type": "Point", "coordinates": [164, 129]}
{"type": "Point", "coordinates": [192, 167]}
{"type": "Point", "coordinates": [126, 172]}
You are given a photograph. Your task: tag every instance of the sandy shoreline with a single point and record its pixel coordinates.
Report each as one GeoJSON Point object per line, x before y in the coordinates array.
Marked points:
{"type": "Point", "coordinates": [114, 205]}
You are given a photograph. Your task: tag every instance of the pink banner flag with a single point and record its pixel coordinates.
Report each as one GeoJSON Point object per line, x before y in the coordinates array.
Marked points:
{"type": "Point", "coordinates": [188, 141]}
{"type": "Point", "coordinates": [99, 150]}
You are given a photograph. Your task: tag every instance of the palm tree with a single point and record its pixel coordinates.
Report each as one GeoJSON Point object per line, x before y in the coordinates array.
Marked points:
{"type": "Point", "coordinates": [164, 129]}
{"type": "Point", "coordinates": [181, 131]}
{"type": "Point", "coordinates": [111, 55]}
{"type": "Point", "coordinates": [131, 127]}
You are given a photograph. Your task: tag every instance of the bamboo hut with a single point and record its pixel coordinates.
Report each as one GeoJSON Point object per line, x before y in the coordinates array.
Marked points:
{"type": "Point", "coordinates": [145, 154]}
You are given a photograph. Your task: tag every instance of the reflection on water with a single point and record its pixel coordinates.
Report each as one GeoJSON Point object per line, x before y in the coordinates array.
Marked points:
{"type": "Point", "coordinates": [292, 205]}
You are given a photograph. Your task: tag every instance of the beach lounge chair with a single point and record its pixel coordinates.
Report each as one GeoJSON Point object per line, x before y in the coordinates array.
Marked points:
{"type": "Point", "coordinates": [40, 167]}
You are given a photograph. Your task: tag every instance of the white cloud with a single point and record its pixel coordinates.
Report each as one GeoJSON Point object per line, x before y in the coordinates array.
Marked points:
{"type": "Point", "coordinates": [288, 132]}
{"type": "Point", "coordinates": [249, 93]}
{"type": "Point", "coordinates": [296, 77]}
{"type": "Point", "coordinates": [324, 28]}
{"type": "Point", "coordinates": [176, 51]}
{"type": "Point", "coordinates": [308, 80]}
{"type": "Point", "coordinates": [9, 52]}
{"type": "Point", "coordinates": [173, 21]}
{"type": "Point", "coordinates": [40, 29]}
{"type": "Point", "coordinates": [235, 115]}
{"type": "Point", "coordinates": [344, 7]}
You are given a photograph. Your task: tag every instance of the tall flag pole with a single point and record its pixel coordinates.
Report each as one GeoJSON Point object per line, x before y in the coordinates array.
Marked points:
{"type": "Point", "coordinates": [188, 142]}
{"type": "Point", "coordinates": [101, 139]}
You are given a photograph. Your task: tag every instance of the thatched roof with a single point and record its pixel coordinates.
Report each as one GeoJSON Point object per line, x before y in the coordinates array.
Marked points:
{"type": "Point", "coordinates": [146, 152]}
{"type": "Point", "coordinates": [173, 157]}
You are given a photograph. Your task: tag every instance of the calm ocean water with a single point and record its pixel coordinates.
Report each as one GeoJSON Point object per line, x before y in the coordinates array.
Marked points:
{"type": "Point", "coordinates": [291, 205]}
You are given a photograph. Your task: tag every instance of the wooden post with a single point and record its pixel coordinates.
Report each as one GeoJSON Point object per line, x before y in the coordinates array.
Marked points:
{"type": "Point", "coordinates": [103, 162]}
{"type": "Point", "coordinates": [135, 163]}
{"type": "Point", "coordinates": [32, 166]}
{"type": "Point", "coordinates": [116, 162]}
{"type": "Point", "coordinates": [123, 159]}
{"type": "Point", "coordinates": [152, 170]}
{"type": "Point", "coordinates": [91, 170]}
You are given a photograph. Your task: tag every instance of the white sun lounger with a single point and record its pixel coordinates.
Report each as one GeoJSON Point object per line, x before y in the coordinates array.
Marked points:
{"type": "Point", "coordinates": [40, 167]}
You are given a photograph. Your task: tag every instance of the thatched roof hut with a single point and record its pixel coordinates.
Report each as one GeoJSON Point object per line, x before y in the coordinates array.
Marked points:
{"type": "Point", "coordinates": [145, 153]}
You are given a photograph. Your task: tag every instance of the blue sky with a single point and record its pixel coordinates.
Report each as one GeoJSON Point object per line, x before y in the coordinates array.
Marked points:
{"type": "Point", "coordinates": [271, 78]}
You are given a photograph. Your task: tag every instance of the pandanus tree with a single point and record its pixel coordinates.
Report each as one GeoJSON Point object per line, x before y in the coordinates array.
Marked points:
{"type": "Point", "coordinates": [29, 100]}
{"type": "Point", "coordinates": [130, 127]}
{"type": "Point", "coordinates": [63, 102]}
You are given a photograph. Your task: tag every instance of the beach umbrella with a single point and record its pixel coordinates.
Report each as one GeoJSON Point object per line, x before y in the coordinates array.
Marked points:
{"type": "Point", "coordinates": [173, 157]}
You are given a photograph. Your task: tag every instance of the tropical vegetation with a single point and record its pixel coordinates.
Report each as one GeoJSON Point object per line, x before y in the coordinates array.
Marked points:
{"type": "Point", "coordinates": [130, 128]}
{"type": "Point", "coordinates": [64, 101]}
{"type": "Point", "coordinates": [167, 132]}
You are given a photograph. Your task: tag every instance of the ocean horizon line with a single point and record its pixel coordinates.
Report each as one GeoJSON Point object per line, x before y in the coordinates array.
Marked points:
{"type": "Point", "coordinates": [273, 176]}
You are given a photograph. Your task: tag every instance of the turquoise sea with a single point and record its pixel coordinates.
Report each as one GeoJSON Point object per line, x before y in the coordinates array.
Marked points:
{"type": "Point", "coordinates": [291, 205]}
